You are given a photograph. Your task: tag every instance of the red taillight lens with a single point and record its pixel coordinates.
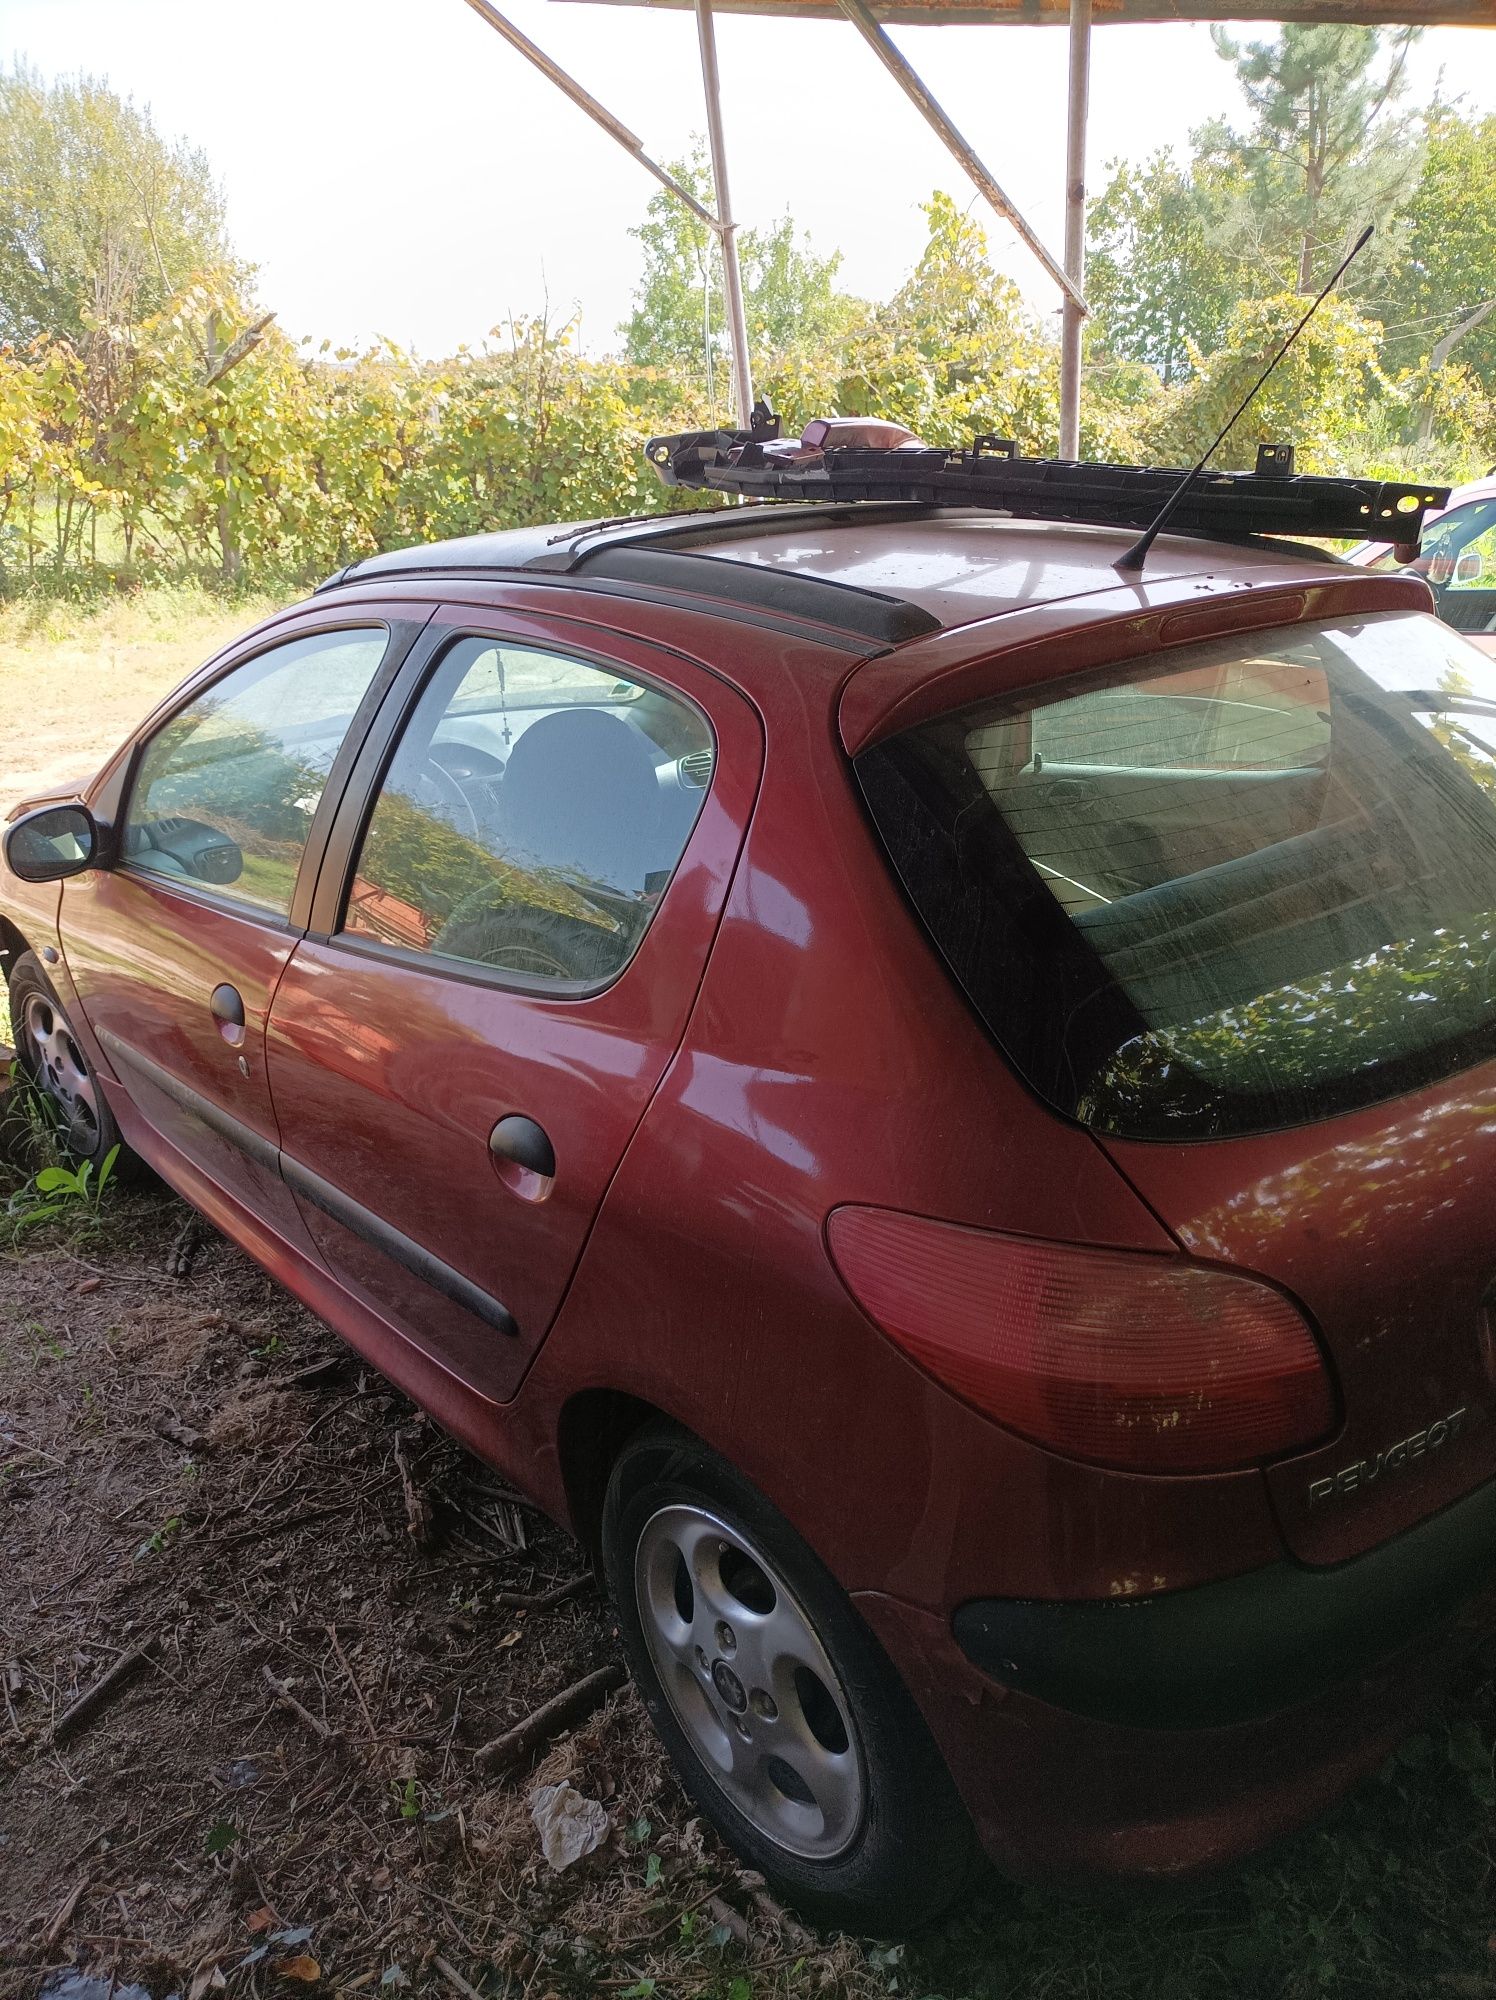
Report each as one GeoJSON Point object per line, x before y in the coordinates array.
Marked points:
{"type": "Point", "coordinates": [1148, 1363]}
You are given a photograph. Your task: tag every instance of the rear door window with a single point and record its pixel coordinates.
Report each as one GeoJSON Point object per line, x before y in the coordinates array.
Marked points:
{"type": "Point", "coordinates": [1253, 889]}
{"type": "Point", "coordinates": [532, 817]}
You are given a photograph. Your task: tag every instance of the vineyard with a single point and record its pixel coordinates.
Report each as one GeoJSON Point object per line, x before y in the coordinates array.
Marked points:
{"type": "Point", "coordinates": [158, 424]}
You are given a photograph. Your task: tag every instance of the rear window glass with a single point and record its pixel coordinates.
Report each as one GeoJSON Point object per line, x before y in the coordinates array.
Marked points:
{"type": "Point", "coordinates": [1256, 888]}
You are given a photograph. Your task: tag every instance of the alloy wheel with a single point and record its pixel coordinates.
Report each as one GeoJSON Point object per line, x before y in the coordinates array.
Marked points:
{"type": "Point", "coordinates": [57, 1066]}
{"type": "Point", "coordinates": [750, 1682]}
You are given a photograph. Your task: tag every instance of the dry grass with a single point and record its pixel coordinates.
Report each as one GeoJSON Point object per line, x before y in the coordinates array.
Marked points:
{"type": "Point", "coordinates": [74, 679]}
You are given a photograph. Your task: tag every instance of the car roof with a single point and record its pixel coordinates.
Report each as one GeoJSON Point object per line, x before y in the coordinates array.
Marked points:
{"type": "Point", "coordinates": [883, 573]}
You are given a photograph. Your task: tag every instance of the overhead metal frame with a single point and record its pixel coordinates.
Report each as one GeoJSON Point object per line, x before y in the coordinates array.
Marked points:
{"type": "Point", "coordinates": [724, 227]}
{"type": "Point", "coordinates": [1068, 274]}
{"type": "Point", "coordinates": [721, 223]}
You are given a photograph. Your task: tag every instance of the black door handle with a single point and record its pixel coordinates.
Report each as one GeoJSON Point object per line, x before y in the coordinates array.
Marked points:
{"type": "Point", "coordinates": [227, 1006]}
{"type": "Point", "coordinates": [525, 1143]}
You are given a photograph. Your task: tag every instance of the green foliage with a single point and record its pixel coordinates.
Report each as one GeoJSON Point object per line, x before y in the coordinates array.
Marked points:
{"type": "Point", "coordinates": [222, 1835]}
{"type": "Point", "coordinates": [955, 351]}
{"type": "Point", "coordinates": [1159, 277]}
{"type": "Point", "coordinates": [1325, 153]}
{"type": "Point", "coordinates": [154, 422]}
{"type": "Point", "coordinates": [1314, 398]}
{"type": "Point", "coordinates": [1447, 273]}
{"type": "Point", "coordinates": [156, 1543]}
{"type": "Point", "coordinates": [679, 319]}
{"type": "Point", "coordinates": [1185, 255]}
{"type": "Point", "coordinates": [101, 220]}
{"type": "Point", "coordinates": [53, 1191]}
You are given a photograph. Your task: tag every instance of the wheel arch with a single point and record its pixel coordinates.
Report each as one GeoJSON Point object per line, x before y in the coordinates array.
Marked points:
{"type": "Point", "coordinates": [13, 945]}
{"type": "Point", "coordinates": [594, 1427]}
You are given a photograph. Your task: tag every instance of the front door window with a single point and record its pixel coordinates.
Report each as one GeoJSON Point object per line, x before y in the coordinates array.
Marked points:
{"type": "Point", "coordinates": [227, 788]}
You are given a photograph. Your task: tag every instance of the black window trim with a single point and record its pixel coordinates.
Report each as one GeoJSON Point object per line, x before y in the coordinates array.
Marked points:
{"type": "Point", "coordinates": [401, 636]}
{"type": "Point", "coordinates": [381, 745]}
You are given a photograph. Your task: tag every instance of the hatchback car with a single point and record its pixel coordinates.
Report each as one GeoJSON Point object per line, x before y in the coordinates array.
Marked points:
{"type": "Point", "coordinates": [935, 1104]}
{"type": "Point", "coordinates": [1456, 554]}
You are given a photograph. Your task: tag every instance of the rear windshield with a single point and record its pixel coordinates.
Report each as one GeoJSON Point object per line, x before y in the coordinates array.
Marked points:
{"type": "Point", "coordinates": [1255, 889]}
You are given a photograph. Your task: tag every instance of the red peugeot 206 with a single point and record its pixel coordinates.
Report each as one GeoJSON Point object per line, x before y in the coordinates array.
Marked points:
{"type": "Point", "coordinates": [933, 1098]}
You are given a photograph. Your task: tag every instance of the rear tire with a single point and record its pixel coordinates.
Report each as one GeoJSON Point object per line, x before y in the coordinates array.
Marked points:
{"type": "Point", "coordinates": [786, 1721]}
{"type": "Point", "coordinates": [58, 1070]}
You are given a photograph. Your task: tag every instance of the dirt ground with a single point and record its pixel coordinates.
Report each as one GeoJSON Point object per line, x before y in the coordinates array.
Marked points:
{"type": "Point", "coordinates": [286, 1793]}
{"type": "Point", "coordinates": [285, 1796]}
{"type": "Point", "coordinates": [75, 681]}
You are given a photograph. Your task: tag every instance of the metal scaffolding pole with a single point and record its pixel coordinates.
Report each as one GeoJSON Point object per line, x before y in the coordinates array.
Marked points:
{"type": "Point", "coordinates": [1075, 226]}
{"type": "Point", "coordinates": [727, 229]}
{"type": "Point", "coordinates": [914, 88]}
{"type": "Point", "coordinates": [585, 101]}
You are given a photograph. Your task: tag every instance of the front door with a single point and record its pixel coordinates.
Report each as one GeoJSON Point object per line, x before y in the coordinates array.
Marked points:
{"type": "Point", "coordinates": [514, 951]}
{"type": "Point", "coordinates": [176, 951]}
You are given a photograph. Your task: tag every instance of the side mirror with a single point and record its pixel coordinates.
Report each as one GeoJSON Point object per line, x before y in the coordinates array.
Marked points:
{"type": "Point", "coordinates": [51, 843]}
{"type": "Point", "coordinates": [1468, 568]}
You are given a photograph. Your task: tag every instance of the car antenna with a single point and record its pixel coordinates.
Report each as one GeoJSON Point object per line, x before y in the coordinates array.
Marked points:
{"type": "Point", "coordinates": [1137, 555]}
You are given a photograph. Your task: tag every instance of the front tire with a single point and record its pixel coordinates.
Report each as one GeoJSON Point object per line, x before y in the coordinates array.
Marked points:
{"type": "Point", "coordinates": [49, 1055]}
{"type": "Point", "coordinates": [787, 1724]}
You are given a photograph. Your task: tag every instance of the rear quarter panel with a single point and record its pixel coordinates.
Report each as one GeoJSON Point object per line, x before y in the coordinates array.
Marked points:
{"type": "Point", "coordinates": [829, 1060]}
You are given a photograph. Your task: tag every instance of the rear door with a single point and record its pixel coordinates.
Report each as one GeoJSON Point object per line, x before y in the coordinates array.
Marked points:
{"type": "Point", "coordinates": [520, 897]}
{"type": "Point", "coordinates": [176, 951]}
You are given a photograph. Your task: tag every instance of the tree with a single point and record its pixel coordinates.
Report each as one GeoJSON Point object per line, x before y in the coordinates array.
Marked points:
{"type": "Point", "coordinates": [955, 352]}
{"type": "Point", "coordinates": [1324, 155]}
{"type": "Point", "coordinates": [101, 219]}
{"type": "Point", "coordinates": [1314, 400]}
{"type": "Point", "coordinates": [1157, 273]}
{"type": "Point", "coordinates": [679, 319]}
{"type": "Point", "coordinates": [1442, 298]}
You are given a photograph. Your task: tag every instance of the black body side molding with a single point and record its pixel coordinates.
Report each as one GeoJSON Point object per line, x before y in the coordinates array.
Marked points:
{"type": "Point", "coordinates": [342, 1208]}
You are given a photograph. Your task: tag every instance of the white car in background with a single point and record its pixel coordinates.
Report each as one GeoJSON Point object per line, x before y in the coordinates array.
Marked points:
{"type": "Point", "coordinates": [1457, 554]}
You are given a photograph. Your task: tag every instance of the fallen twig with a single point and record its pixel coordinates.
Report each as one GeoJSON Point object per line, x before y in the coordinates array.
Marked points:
{"type": "Point", "coordinates": [560, 1712]}
{"type": "Point", "coordinates": [313, 1373]}
{"type": "Point", "coordinates": [64, 1914]}
{"type": "Point", "coordinates": [455, 1979]}
{"type": "Point", "coordinates": [510, 1538]}
{"type": "Point", "coordinates": [332, 1633]}
{"type": "Point", "coordinates": [730, 1919]}
{"type": "Point", "coordinates": [420, 1522]}
{"type": "Point", "coordinates": [288, 1701]}
{"type": "Point", "coordinates": [540, 1600]}
{"type": "Point", "coordinates": [777, 1914]}
{"type": "Point", "coordinates": [103, 1691]}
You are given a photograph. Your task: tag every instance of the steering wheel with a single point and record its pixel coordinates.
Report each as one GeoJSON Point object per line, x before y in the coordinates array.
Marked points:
{"type": "Point", "coordinates": [437, 787]}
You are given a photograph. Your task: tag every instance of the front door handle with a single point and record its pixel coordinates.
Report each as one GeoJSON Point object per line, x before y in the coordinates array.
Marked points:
{"type": "Point", "coordinates": [525, 1144]}
{"type": "Point", "coordinates": [227, 1008]}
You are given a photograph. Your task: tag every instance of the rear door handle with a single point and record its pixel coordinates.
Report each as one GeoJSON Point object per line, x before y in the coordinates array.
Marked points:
{"type": "Point", "coordinates": [227, 1008]}
{"type": "Point", "coordinates": [525, 1144]}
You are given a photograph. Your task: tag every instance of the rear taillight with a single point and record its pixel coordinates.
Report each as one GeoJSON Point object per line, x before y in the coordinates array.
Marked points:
{"type": "Point", "coordinates": [1148, 1363]}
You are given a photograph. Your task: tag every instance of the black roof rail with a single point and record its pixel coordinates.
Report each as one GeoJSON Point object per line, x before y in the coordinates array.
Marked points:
{"type": "Point", "coordinates": [672, 555]}
{"type": "Point", "coordinates": [1272, 500]}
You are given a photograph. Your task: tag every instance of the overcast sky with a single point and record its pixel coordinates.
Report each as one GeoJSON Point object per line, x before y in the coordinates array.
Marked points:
{"type": "Point", "coordinates": [394, 168]}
